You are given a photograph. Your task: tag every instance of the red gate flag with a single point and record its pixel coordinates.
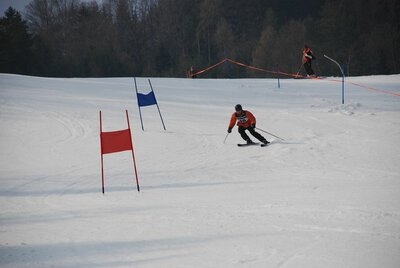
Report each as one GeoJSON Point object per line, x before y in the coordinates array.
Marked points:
{"type": "Point", "coordinates": [116, 141]}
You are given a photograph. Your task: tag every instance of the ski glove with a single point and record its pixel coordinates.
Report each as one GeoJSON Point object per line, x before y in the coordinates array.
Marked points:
{"type": "Point", "coordinates": [229, 130]}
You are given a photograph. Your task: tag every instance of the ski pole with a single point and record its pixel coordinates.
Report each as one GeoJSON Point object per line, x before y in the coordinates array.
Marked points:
{"type": "Point", "coordinates": [297, 75]}
{"type": "Point", "coordinates": [269, 133]}
{"type": "Point", "coordinates": [226, 137]}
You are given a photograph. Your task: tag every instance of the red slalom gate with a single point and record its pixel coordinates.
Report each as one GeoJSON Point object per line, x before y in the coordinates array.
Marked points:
{"type": "Point", "coordinates": [116, 141]}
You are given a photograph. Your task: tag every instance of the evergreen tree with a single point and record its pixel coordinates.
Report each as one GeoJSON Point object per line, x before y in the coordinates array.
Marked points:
{"type": "Point", "coordinates": [15, 42]}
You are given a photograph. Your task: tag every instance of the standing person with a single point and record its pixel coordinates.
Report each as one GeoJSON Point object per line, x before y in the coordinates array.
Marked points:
{"type": "Point", "coordinates": [307, 58]}
{"type": "Point", "coordinates": [246, 121]}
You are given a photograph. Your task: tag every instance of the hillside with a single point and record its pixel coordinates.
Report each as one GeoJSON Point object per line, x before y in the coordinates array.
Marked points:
{"type": "Point", "coordinates": [326, 196]}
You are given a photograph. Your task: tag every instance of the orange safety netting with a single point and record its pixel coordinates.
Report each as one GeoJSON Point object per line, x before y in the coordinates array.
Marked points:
{"type": "Point", "coordinates": [290, 75]}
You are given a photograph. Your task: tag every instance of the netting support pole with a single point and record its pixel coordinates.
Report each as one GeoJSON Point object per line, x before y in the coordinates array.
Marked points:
{"type": "Point", "coordinates": [341, 70]}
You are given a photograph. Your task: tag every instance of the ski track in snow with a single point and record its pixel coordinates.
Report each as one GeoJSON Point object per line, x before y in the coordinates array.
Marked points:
{"type": "Point", "coordinates": [326, 196]}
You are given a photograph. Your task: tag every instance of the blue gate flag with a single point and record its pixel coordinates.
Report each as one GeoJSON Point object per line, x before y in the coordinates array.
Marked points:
{"type": "Point", "coordinates": [146, 99]}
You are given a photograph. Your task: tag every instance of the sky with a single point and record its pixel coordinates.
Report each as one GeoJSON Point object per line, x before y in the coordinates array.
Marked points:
{"type": "Point", "coordinates": [18, 5]}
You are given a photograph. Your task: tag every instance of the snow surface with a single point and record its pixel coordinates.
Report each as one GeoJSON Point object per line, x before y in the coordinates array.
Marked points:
{"type": "Point", "coordinates": [327, 196]}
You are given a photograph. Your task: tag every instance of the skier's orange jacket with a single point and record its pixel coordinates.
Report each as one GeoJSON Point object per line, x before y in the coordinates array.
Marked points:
{"type": "Point", "coordinates": [245, 119]}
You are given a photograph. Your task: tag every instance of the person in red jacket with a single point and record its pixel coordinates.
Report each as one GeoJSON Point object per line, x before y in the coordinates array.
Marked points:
{"type": "Point", "coordinates": [308, 56]}
{"type": "Point", "coordinates": [245, 121]}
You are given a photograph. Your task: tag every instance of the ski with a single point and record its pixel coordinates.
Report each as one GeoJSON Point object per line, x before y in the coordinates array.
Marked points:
{"type": "Point", "coordinates": [265, 145]}
{"type": "Point", "coordinates": [247, 144]}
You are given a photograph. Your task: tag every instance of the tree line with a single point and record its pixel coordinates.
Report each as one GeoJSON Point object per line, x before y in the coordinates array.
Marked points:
{"type": "Point", "coordinates": [70, 38]}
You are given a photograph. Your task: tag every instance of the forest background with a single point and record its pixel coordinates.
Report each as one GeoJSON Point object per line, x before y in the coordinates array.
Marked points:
{"type": "Point", "coordinates": [113, 38]}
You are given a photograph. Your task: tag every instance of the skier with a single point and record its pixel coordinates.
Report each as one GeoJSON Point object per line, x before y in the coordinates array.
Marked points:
{"type": "Point", "coordinates": [307, 58]}
{"type": "Point", "coordinates": [246, 121]}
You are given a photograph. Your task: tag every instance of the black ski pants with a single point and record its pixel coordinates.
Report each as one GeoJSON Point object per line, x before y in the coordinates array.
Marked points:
{"type": "Point", "coordinates": [307, 66]}
{"type": "Point", "coordinates": [242, 132]}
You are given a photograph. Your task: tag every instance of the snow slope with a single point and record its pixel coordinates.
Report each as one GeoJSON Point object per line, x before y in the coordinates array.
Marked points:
{"type": "Point", "coordinates": [327, 196]}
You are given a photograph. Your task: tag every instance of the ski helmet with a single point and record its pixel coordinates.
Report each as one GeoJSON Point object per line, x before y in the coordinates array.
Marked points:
{"type": "Point", "coordinates": [238, 108]}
